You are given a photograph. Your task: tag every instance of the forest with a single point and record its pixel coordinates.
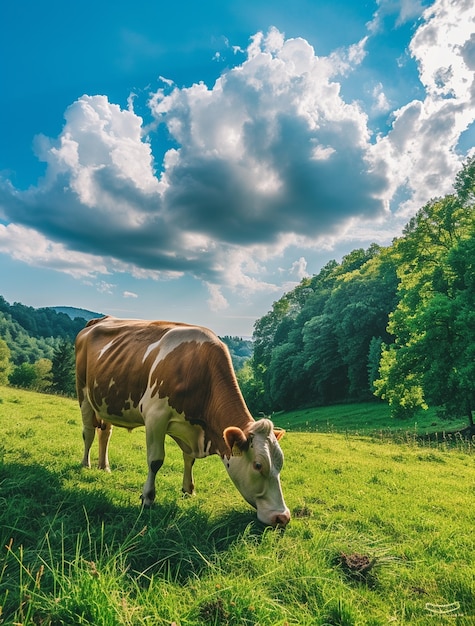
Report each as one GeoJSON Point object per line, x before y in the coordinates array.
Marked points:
{"type": "Point", "coordinates": [395, 323]}
{"type": "Point", "coordinates": [36, 348]}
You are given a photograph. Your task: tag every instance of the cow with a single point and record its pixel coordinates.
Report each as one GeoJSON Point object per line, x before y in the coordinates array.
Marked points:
{"type": "Point", "coordinates": [176, 379]}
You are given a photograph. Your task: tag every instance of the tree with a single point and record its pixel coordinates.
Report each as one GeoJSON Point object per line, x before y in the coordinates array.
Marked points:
{"type": "Point", "coordinates": [253, 390]}
{"type": "Point", "coordinates": [359, 307]}
{"type": "Point", "coordinates": [374, 357]}
{"type": "Point", "coordinates": [313, 347]}
{"type": "Point", "coordinates": [43, 375]}
{"type": "Point", "coordinates": [63, 368]}
{"type": "Point", "coordinates": [324, 367]}
{"type": "Point", "coordinates": [5, 363]}
{"type": "Point", "coordinates": [432, 359]}
{"type": "Point", "coordinates": [23, 347]}
{"type": "Point", "coordinates": [24, 376]}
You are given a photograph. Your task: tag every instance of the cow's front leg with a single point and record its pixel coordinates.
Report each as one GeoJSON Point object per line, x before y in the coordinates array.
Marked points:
{"type": "Point", "coordinates": [104, 433]}
{"type": "Point", "coordinates": [88, 431]}
{"type": "Point", "coordinates": [155, 437]}
{"type": "Point", "coordinates": [188, 486]}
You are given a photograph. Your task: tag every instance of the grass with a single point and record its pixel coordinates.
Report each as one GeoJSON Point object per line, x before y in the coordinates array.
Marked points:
{"type": "Point", "coordinates": [367, 418]}
{"type": "Point", "coordinates": [382, 530]}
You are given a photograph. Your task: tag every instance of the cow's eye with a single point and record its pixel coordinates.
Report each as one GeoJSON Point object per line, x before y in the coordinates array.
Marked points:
{"type": "Point", "coordinates": [257, 466]}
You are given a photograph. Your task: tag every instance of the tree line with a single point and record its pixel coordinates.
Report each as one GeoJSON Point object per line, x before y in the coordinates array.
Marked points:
{"type": "Point", "coordinates": [36, 348]}
{"type": "Point", "coordinates": [394, 322]}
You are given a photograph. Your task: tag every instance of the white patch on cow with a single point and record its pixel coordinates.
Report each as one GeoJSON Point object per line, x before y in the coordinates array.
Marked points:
{"type": "Point", "coordinates": [105, 348]}
{"type": "Point", "coordinates": [151, 347]}
{"type": "Point", "coordinates": [174, 338]}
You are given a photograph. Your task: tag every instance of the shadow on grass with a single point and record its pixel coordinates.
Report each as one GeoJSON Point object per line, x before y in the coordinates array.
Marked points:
{"type": "Point", "coordinates": [50, 521]}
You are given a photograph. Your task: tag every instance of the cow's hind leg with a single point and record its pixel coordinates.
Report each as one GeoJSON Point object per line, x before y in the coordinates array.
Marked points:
{"type": "Point", "coordinates": [155, 429]}
{"type": "Point", "coordinates": [188, 485]}
{"type": "Point", "coordinates": [104, 433]}
{"type": "Point", "coordinates": [88, 430]}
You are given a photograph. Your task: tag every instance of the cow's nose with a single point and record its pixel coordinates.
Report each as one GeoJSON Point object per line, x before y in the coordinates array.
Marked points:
{"type": "Point", "coordinates": [281, 519]}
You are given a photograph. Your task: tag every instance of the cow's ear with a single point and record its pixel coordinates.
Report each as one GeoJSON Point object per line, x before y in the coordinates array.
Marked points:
{"type": "Point", "coordinates": [235, 439]}
{"type": "Point", "coordinates": [279, 433]}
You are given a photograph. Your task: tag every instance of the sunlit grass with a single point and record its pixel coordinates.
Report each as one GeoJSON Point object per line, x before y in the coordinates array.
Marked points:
{"type": "Point", "coordinates": [78, 549]}
{"type": "Point", "coordinates": [364, 418]}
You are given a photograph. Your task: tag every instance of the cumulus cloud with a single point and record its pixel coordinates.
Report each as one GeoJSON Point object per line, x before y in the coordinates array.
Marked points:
{"type": "Point", "coordinates": [299, 268]}
{"type": "Point", "coordinates": [216, 301]}
{"type": "Point", "coordinates": [31, 247]}
{"type": "Point", "coordinates": [271, 155]}
{"type": "Point", "coordinates": [105, 287]}
{"type": "Point", "coordinates": [422, 145]}
{"type": "Point", "coordinates": [403, 10]}
{"type": "Point", "coordinates": [380, 101]}
{"type": "Point", "coordinates": [271, 148]}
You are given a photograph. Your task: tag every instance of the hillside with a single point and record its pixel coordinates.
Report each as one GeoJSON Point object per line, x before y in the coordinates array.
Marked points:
{"type": "Point", "coordinates": [74, 312]}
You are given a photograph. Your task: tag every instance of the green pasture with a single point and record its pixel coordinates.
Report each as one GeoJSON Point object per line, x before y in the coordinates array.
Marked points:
{"type": "Point", "coordinates": [381, 533]}
{"type": "Point", "coordinates": [367, 418]}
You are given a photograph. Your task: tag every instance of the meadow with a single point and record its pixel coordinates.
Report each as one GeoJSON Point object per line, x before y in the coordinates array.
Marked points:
{"type": "Point", "coordinates": [381, 529]}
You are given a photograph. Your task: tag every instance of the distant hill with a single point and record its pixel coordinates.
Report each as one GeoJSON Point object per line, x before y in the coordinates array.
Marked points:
{"type": "Point", "coordinates": [32, 334]}
{"type": "Point", "coordinates": [74, 312]}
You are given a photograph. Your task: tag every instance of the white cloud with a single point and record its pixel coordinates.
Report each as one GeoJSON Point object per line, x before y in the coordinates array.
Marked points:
{"type": "Point", "coordinates": [403, 10]}
{"type": "Point", "coordinates": [422, 145]}
{"type": "Point", "coordinates": [380, 101]}
{"type": "Point", "coordinates": [216, 301]}
{"type": "Point", "coordinates": [129, 294]}
{"type": "Point", "coordinates": [104, 287]}
{"type": "Point", "coordinates": [299, 268]}
{"type": "Point", "coordinates": [270, 156]}
{"type": "Point", "coordinates": [31, 247]}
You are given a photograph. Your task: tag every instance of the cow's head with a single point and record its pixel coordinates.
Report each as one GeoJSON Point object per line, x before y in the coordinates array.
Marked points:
{"type": "Point", "coordinates": [254, 461]}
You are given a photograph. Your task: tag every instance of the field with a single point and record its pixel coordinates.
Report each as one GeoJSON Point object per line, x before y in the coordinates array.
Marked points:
{"type": "Point", "coordinates": [382, 528]}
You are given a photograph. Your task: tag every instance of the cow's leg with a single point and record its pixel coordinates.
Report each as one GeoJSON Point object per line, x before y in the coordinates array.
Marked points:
{"type": "Point", "coordinates": [188, 484]}
{"type": "Point", "coordinates": [88, 430]}
{"type": "Point", "coordinates": [104, 433]}
{"type": "Point", "coordinates": [155, 430]}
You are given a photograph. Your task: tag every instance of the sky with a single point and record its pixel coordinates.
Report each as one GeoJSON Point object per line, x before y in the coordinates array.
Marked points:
{"type": "Point", "coordinates": [195, 161]}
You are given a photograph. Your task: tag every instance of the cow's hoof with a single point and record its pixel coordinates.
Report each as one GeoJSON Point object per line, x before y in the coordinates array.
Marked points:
{"type": "Point", "coordinates": [187, 494]}
{"type": "Point", "coordinates": [146, 502]}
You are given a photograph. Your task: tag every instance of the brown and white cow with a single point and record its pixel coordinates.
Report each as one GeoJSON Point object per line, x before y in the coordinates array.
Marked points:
{"type": "Point", "coordinates": [176, 379]}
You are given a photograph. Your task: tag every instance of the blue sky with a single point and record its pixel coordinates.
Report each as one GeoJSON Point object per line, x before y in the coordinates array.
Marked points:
{"type": "Point", "coordinates": [194, 161]}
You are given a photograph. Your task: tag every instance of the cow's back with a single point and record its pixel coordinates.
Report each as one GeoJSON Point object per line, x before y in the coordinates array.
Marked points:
{"type": "Point", "coordinates": [118, 362]}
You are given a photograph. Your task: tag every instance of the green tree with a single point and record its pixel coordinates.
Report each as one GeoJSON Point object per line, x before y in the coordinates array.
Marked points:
{"type": "Point", "coordinates": [432, 359]}
{"type": "Point", "coordinates": [44, 376]}
{"type": "Point", "coordinates": [63, 368]}
{"type": "Point", "coordinates": [323, 364]}
{"type": "Point", "coordinates": [24, 376]}
{"type": "Point", "coordinates": [374, 357]}
{"type": "Point", "coordinates": [253, 390]}
{"type": "Point", "coordinates": [5, 363]}
{"type": "Point", "coordinates": [313, 347]}
{"type": "Point", "coordinates": [359, 307]}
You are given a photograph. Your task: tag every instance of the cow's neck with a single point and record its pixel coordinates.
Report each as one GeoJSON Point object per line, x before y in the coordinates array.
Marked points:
{"type": "Point", "coordinates": [226, 414]}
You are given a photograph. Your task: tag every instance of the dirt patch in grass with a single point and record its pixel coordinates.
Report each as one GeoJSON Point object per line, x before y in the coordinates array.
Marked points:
{"type": "Point", "coordinates": [356, 566]}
